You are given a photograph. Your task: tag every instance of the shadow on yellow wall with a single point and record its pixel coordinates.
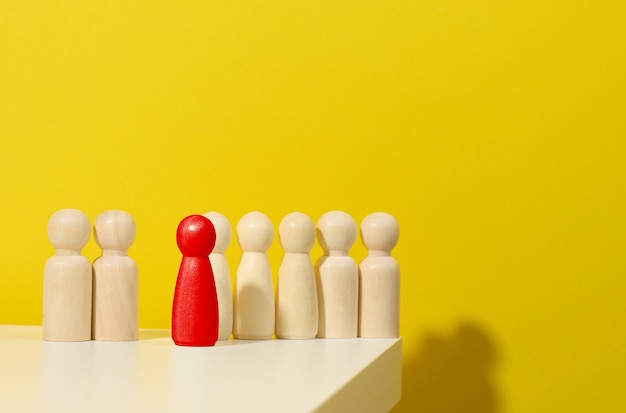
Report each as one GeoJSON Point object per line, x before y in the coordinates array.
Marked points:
{"type": "Point", "coordinates": [452, 374]}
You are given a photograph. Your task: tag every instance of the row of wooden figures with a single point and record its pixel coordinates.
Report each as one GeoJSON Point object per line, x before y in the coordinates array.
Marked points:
{"type": "Point", "coordinates": [81, 301]}
{"type": "Point", "coordinates": [334, 298]}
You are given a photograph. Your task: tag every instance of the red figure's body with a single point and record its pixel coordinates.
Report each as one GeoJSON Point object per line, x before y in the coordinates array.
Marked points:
{"type": "Point", "coordinates": [195, 317]}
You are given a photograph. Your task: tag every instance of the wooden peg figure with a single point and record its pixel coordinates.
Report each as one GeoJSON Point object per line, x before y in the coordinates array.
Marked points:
{"type": "Point", "coordinates": [255, 314]}
{"type": "Point", "coordinates": [115, 279]}
{"type": "Point", "coordinates": [221, 272]}
{"type": "Point", "coordinates": [337, 277]}
{"type": "Point", "coordinates": [67, 279]}
{"type": "Point", "coordinates": [380, 278]}
{"type": "Point", "coordinates": [296, 297]}
{"type": "Point", "coordinates": [195, 312]}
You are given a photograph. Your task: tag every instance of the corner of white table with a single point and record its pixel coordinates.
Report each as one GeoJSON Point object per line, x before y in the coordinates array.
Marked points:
{"type": "Point", "coordinates": [154, 375]}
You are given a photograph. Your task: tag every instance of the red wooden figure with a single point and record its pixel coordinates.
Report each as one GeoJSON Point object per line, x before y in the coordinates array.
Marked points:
{"type": "Point", "coordinates": [195, 317]}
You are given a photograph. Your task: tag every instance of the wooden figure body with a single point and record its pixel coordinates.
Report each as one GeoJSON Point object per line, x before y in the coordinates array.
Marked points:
{"type": "Point", "coordinates": [195, 312]}
{"type": "Point", "coordinates": [221, 273]}
{"type": "Point", "coordinates": [380, 278]}
{"type": "Point", "coordinates": [296, 298]}
{"type": "Point", "coordinates": [67, 279]}
{"type": "Point", "coordinates": [254, 294]}
{"type": "Point", "coordinates": [337, 277]}
{"type": "Point", "coordinates": [115, 279]}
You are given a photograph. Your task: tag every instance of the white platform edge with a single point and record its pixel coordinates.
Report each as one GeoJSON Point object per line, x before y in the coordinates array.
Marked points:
{"type": "Point", "coordinates": [377, 388]}
{"type": "Point", "coordinates": [361, 375]}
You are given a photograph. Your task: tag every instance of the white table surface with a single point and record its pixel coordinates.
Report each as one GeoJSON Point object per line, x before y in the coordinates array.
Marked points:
{"type": "Point", "coordinates": [154, 375]}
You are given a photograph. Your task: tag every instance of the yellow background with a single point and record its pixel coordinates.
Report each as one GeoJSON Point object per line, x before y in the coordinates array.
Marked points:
{"type": "Point", "coordinates": [493, 130]}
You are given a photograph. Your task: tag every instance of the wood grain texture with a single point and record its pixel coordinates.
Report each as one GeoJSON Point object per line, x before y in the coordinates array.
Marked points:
{"type": "Point", "coordinates": [379, 301]}
{"type": "Point", "coordinates": [337, 276]}
{"type": "Point", "coordinates": [67, 280]}
{"type": "Point", "coordinates": [115, 279]}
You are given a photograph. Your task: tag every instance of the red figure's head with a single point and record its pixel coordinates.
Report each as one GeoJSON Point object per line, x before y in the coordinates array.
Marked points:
{"type": "Point", "coordinates": [195, 236]}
